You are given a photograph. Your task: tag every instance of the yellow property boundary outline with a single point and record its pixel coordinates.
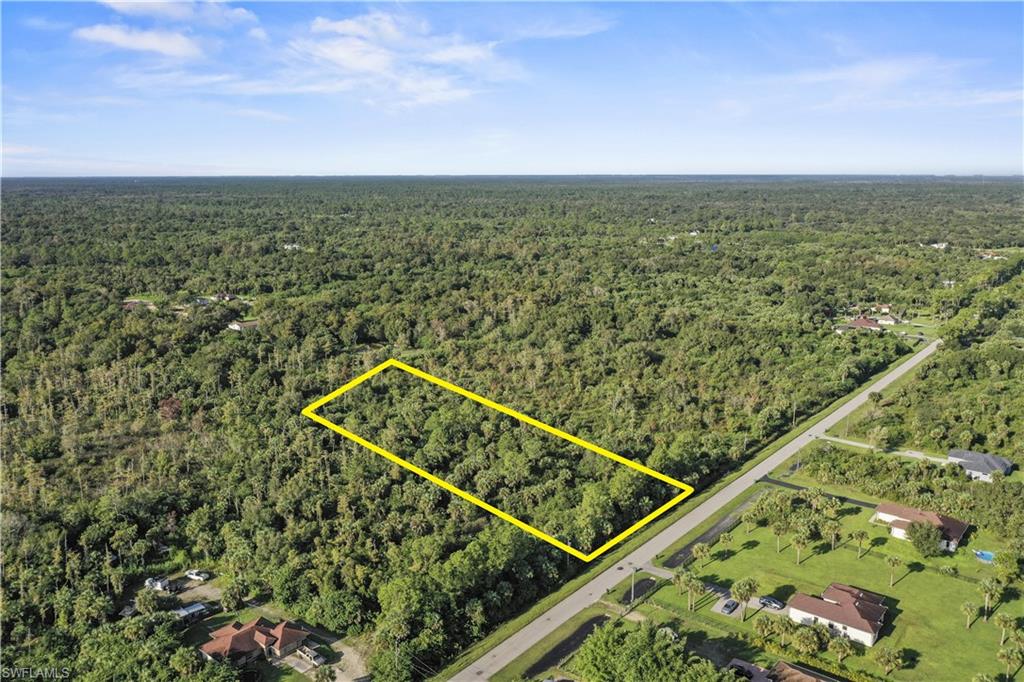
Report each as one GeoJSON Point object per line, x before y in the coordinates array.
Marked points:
{"type": "Point", "coordinates": [310, 411]}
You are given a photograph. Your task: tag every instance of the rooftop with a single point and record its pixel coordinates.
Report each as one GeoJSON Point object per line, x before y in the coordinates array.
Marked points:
{"type": "Point", "coordinates": [981, 462]}
{"type": "Point", "coordinates": [845, 605]}
{"type": "Point", "coordinates": [952, 529]}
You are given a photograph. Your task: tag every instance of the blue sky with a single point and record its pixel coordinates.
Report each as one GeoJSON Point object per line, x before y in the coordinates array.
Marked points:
{"type": "Point", "coordinates": [322, 88]}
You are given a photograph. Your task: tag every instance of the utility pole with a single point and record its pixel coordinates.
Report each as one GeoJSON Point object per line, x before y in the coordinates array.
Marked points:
{"type": "Point", "coordinates": [632, 582]}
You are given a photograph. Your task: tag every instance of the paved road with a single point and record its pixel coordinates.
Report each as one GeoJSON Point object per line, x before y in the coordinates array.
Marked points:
{"type": "Point", "coordinates": [913, 454]}
{"type": "Point", "coordinates": [542, 626]}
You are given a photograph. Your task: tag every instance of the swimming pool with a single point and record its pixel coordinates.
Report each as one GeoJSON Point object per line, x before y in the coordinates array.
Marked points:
{"type": "Point", "coordinates": [984, 555]}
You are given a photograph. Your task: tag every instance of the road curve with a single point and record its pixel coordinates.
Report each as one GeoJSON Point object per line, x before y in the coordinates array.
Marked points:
{"type": "Point", "coordinates": [542, 626]}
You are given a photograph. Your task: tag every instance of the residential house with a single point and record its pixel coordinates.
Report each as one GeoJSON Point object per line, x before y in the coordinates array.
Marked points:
{"type": "Point", "coordinates": [889, 320]}
{"type": "Point", "coordinates": [864, 323]}
{"type": "Point", "coordinates": [980, 465]}
{"type": "Point", "coordinates": [847, 612]}
{"type": "Point", "coordinates": [883, 308]}
{"type": "Point", "coordinates": [899, 518]}
{"type": "Point", "coordinates": [238, 644]}
{"type": "Point", "coordinates": [243, 325]}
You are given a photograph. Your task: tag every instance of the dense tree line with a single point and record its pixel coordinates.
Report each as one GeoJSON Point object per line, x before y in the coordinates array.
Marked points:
{"type": "Point", "coordinates": [586, 304]}
{"type": "Point", "coordinates": [617, 654]}
{"type": "Point", "coordinates": [969, 395]}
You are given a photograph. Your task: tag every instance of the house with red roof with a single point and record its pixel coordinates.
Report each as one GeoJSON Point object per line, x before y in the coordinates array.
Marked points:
{"type": "Point", "coordinates": [899, 518]}
{"type": "Point", "coordinates": [239, 643]}
{"type": "Point", "coordinates": [846, 611]}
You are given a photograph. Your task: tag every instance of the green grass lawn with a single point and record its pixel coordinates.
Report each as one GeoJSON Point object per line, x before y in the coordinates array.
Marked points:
{"type": "Point", "coordinates": [924, 617]}
{"type": "Point", "coordinates": [517, 668]}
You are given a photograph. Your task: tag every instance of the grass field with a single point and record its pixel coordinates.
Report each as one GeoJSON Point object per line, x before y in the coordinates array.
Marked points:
{"type": "Point", "coordinates": [924, 617]}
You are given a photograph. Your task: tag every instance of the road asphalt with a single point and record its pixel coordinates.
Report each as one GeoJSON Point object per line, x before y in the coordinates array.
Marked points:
{"type": "Point", "coordinates": [546, 623]}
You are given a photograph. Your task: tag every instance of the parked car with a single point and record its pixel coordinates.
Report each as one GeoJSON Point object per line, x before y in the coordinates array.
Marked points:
{"type": "Point", "coordinates": [740, 671]}
{"type": "Point", "coordinates": [196, 574]}
{"type": "Point", "coordinates": [129, 610]}
{"type": "Point", "coordinates": [160, 584]}
{"type": "Point", "coordinates": [310, 655]}
{"type": "Point", "coordinates": [771, 603]}
{"type": "Point", "coordinates": [730, 606]}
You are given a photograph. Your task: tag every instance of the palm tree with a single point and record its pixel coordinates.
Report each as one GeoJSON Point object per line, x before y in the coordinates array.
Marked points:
{"type": "Point", "coordinates": [1004, 622]}
{"type": "Point", "coordinates": [859, 536]}
{"type": "Point", "coordinates": [992, 590]}
{"type": "Point", "coordinates": [894, 563]}
{"type": "Point", "coordinates": [725, 538]}
{"type": "Point", "coordinates": [680, 580]}
{"type": "Point", "coordinates": [841, 648]}
{"type": "Point", "coordinates": [805, 640]}
{"type": "Point", "coordinates": [785, 627]}
{"type": "Point", "coordinates": [764, 626]}
{"type": "Point", "coordinates": [1011, 657]}
{"type": "Point", "coordinates": [701, 551]}
{"type": "Point", "coordinates": [778, 530]}
{"type": "Point", "coordinates": [970, 610]}
{"type": "Point", "coordinates": [831, 529]}
{"type": "Point", "coordinates": [983, 677]}
{"type": "Point", "coordinates": [694, 588]}
{"type": "Point", "coordinates": [323, 674]}
{"type": "Point", "coordinates": [750, 519]}
{"type": "Point", "coordinates": [742, 591]}
{"type": "Point", "coordinates": [800, 543]}
{"type": "Point", "coordinates": [889, 659]}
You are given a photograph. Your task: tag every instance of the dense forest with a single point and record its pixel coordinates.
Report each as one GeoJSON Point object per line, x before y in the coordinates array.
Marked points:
{"type": "Point", "coordinates": [682, 323]}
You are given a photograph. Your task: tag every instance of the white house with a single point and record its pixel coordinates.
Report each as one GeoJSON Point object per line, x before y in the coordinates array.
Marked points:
{"type": "Point", "coordinates": [899, 518]}
{"type": "Point", "coordinates": [846, 611]}
{"type": "Point", "coordinates": [980, 465]}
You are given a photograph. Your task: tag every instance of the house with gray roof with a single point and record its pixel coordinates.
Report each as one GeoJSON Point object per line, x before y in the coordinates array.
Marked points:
{"type": "Point", "coordinates": [980, 465]}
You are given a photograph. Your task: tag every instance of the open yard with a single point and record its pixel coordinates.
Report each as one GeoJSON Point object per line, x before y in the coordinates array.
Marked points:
{"type": "Point", "coordinates": [924, 606]}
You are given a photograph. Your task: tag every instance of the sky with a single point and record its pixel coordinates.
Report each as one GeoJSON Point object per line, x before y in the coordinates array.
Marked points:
{"type": "Point", "coordinates": [219, 88]}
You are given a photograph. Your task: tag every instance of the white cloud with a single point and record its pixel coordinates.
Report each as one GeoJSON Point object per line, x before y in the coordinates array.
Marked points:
{"type": "Point", "coordinates": [45, 24]}
{"type": "Point", "coordinates": [462, 54]}
{"type": "Point", "coordinates": [163, 42]}
{"type": "Point", "coordinates": [263, 114]}
{"type": "Point", "coordinates": [349, 53]}
{"type": "Point", "coordinates": [213, 13]}
{"type": "Point", "coordinates": [387, 58]}
{"type": "Point", "coordinates": [877, 73]}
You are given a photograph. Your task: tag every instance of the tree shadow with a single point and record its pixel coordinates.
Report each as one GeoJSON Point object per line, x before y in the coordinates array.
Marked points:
{"type": "Point", "coordinates": [911, 657]}
{"type": "Point", "coordinates": [912, 567]}
{"type": "Point", "coordinates": [783, 592]}
{"type": "Point", "coordinates": [750, 544]}
{"type": "Point", "coordinates": [848, 511]}
{"type": "Point", "coordinates": [1010, 594]}
{"type": "Point", "coordinates": [724, 554]}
